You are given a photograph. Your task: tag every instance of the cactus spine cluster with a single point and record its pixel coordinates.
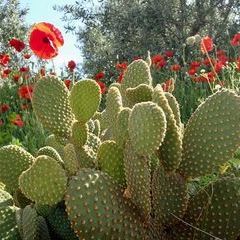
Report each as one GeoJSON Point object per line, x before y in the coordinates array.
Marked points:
{"type": "Point", "coordinates": [123, 173]}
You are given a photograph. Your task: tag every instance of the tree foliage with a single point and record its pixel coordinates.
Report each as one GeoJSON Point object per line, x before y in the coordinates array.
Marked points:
{"type": "Point", "coordinates": [112, 30]}
{"type": "Point", "coordinates": [11, 22]}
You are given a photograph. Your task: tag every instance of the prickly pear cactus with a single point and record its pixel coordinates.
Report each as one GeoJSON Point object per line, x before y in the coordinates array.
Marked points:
{"type": "Point", "coordinates": [127, 172]}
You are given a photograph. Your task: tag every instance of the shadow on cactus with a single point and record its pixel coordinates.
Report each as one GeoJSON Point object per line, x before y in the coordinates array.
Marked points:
{"type": "Point", "coordinates": [125, 172]}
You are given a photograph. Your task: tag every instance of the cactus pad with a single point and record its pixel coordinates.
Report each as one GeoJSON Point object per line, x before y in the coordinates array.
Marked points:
{"type": "Point", "coordinates": [212, 134]}
{"type": "Point", "coordinates": [97, 210]}
{"type": "Point", "coordinates": [216, 210]}
{"type": "Point", "coordinates": [172, 101]}
{"type": "Point", "coordinates": [79, 134]}
{"type": "Point", "coordinates": [170, 152]}
{"type": "Point", "coordinates": [169, 196]}
{"type": "Point", "coordinates": [141, 93]}
{"type": "Point", "coordinates": [44, 182]}
{"type": "Point", "coordinates": [138, 178]}
{"type": "Point", "coordinates": [110, 160]}
{"type": "Point", "coordinates": [70, 159]}
{"type": "Point", "coordinates": [138, 72]}
{"type": "Point", "coordinates": [13, 160]}
{"type": "Point", "coordinates": [147, 127]}
{"type": "Point", "coordinates": [53, 110]}
{"type": "Point", "coordinates": [121, 132]}
{"type": "Point", "coordinates": [51, 152]}
{"type": "Point", "coordinates": [29, 223]}
{"type": "Point", "coordinates": [84, 99]}
{"type": "Point", "coordinates": [8, 224]}
{"type": "Point", "coordinates": [6, 199]}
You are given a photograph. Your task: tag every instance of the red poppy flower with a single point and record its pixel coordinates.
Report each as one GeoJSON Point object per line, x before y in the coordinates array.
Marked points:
{"type": "Point", "coordinates": [175, 67]}
{"type": "Point", "coordinates": [45, 39]}
{"type": "Point", "coordinates": [218, 67]}
{"type": "Point", "coordinates": [159, 61]}
{"type": "Point", "coordinates": [24, 69]}
{"type": "Point", "coordinates": [4, 108]}
{"type": "Point", "coordinates": [71, 65]}
{"type": "Point", "coordinates": [121, 66]}
{"type": "Point", "coordinates": [167, 85]}
{"type": "Point", "coordinates": [18, 121]}
{"type": "Point", "coordinates": [195, 64]}
{"type": "Point", "coordinates": [67, 83]}
{"type": "Point", "coordinates": [6, 71]}
{"type": "Point", "coordinates": [235, 40]}
{"type": "Point", "coordinates": [102, 86]}
{"type": "Point", "coordinates": [4, 59]}
{"type": "Point", "coordinates": [25, 91]}
{"type": "Point", "coordinates": [209, 61]}
{"type": "Point", "coordinates": [99, 76]}
{"type": "Point", "coordinates": [192, 71]}
{"type": "Point", "coordinates": [120, 77]}
{"type": "Point", "coordinates": [206, 44]}
{"type": "Point", "coordinates": [169, 53]}
{"type": "Point", "coordinates": [16, 77]}
{"type": "Point", "coordinates": [17, 44]}
{"type": "Point", "coordinates": [27, 55]}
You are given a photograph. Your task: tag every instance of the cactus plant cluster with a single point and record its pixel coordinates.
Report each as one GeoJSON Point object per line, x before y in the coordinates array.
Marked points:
{"type": "Point", "coordinates": [125, 172]}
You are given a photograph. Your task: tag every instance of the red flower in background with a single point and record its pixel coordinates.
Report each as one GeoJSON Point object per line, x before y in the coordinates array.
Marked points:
{"type": "Point", "coordinates": [167, 85]}
{"type": "Point", "coordinates": [27, 55]}
{"type": "Point", "coordinates": [120, 77]}
{"type": "Point", "coordinates": [24, 69]}
{"type": "Point", "coordinates": [16, 77]}
{"type": "Point", "coordinates": [206, 44]}
{"type": "Point", "coordinates": [18, 121]}
{"type": "Point", "coordinates": [169, 53]}
{"type": "Point", "coordinates": [159, 61]}
{"type": "Point", "coordinates": [122, 66]}
{"type": "Point", "coordinates": [6, 71]}
{"type": "Point", "coordinates": [235, 40]}
{"type": "Point", "coordinates": [99, 76]}
{"type": "Point", "coordinates": [71, 65]}
{"type": "Point", "coordinates": [4, 59]}
{"type": "Point", "coordinates": [25, 91]}
{"type": "Point", "coordinates": [1, 122]}
{"type": "Point", "coordinates": [195, 64]}
{"type": "Point", "coordinates": [45, 39]}
{"type": "Point", "coordinates": [67, 83]}
{"type": "Point", "coordinates": [209, 61]}
{"type": "Point", "coordinates": [102, 86]}
{"type": "Point", "coordinates": [175, 67]}
{"type": "Point", "coordinates": [17, 44]}
{"type": "Point", "coordinates": [192, 71]}
{"type": "Point", "coordinates": [4, 108]}
{"type": "Point", "coordinates": [218, 67]}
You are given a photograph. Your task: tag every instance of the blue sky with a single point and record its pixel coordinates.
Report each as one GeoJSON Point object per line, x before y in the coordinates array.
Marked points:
{"type": "Point", "coordinates": [42, 11]}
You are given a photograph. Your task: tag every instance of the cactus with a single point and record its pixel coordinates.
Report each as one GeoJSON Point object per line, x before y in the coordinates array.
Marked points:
{"type": "Point", "coordinates": [51, 152]}
{"type": "Point", "coordinates": [13, 160]}
{"type": "Point", "coordinates": [44, 182]}
{"type": "Point", "coordinates": [85, 99]}
{"type": "Point", "coordinates": [147, 127]}
{"type": "Point", "coordinates": [127, 172]}
{"type": "Point", "coordinates": [53, 110]}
